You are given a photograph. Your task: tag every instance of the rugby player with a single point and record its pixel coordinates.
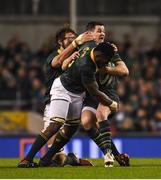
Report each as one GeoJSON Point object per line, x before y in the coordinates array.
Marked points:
{"type": "Point", "coordinates": [65, 37]}
{"type": "Point", "coordinates": [92, 111]}
{"type": "Point", "coordinates": [67, 95]}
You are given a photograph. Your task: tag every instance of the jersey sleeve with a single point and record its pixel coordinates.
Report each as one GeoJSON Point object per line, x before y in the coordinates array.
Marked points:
{"type": "Point", "coordinates": [51, 56]}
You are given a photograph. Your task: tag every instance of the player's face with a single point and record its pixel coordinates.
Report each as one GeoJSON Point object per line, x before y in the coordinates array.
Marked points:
{"type": "Point", "coordinates": [101, 59]}
{"type": "Point", "coordinates": [69, 37]}
{"type": "Point", "coordinates": [99, 33]}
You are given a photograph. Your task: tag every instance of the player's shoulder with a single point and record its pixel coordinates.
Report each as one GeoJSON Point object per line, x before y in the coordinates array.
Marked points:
{"type": "Point", "coordinates": [87, 46]}
{"type": "Point", "coordinates": [51, 56]}
{"type": "Point", "coordinates": [86, 63]}
{"type": "Point", "coordinates": [85, 52]}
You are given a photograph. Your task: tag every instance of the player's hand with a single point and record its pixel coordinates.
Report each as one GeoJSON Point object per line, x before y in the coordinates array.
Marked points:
{"type": "Point", "coordinates": [115, 47]}
{"type": "Point", "coordinates": [84, 37]}
{"type": "Point", "coordinates": [114, 106]}
{"type": "Point", "coordinates": [75, 55]}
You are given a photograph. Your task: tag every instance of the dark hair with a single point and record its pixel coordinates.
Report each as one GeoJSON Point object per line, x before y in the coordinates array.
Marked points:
{"type": "Point", "coordinates": [91, 25]}
{"type": "Point", "coordinates": [106, 48]}
{"type": "Point", "coordinates": [60, 35]}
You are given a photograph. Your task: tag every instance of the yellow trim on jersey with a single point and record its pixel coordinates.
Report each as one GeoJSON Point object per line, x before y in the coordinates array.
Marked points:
{"type": "Point", "coordinates": [92, 57]}
{"type": "Point", "coordinates": [60, 50]}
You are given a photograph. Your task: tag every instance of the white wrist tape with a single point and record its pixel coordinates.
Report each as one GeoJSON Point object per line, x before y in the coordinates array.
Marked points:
{"type": "Point", "coordinates": [114, 104]}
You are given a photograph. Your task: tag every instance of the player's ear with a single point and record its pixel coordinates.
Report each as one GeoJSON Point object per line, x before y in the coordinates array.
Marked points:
{"type": "Point", "coordinates": [60, 42]}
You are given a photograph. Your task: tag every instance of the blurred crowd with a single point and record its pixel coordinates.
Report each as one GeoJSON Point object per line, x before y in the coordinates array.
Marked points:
{"type": "Point", "coordinates": [140, 92]}
{"type": "Point", "coordinates": [22, 81]}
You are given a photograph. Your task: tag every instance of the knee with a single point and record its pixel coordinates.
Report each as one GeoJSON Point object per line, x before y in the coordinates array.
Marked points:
{"type": "Point", "coordinates": [51, 129]}
{"type": "Point", "coordinates": [88, 118]}
{"type": "Point", "coordinates": [102, 115]}
{"type": "Point", "coordinates": [86, 122]}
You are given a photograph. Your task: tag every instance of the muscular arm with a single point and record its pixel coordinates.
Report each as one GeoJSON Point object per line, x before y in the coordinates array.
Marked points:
{"type": "Point", "coordinates": [100, 96]}
{"type": "Point", "coordinates": [58, 60]}
{"type": "Point", "coordinates": [120, 69]}
{"type": "Point", "coordinates": [67, 61]}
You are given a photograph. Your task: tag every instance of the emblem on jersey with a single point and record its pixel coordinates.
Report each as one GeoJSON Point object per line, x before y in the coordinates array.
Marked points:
{"type": "Point", "coordinates": [84, 51]}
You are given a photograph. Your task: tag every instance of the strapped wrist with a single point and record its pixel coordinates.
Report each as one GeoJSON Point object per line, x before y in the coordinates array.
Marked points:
{"type": "Point", "coordinates": [114, 103]}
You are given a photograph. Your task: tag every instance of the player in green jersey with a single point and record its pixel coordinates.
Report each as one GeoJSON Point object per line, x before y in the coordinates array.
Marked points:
{"type": "Point", "coordinates": [94, 112]}
{"type": "Point", "coordinates": [67, 94]}
{"type": "Point", "coordinates": [66, 44]}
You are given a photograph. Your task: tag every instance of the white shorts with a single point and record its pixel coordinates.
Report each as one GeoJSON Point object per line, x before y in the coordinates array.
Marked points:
{"type": "Point", "coordinates": [64, 104]}
{"type": "Point", "coordinates": [46, 117]}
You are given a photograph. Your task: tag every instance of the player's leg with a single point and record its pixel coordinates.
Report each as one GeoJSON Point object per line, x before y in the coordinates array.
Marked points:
{"type": "Point", "coordinates": [63, 159]}
{"type": "Point", "coordinates": [46, 121]}
{"type": "Point", "coordinates": [58, 110]}
{"type": "Point", "coordinates": [60, 157]}
{"type": "Point", "coordinates": [123, 159]}
{"type": "Point", "coordinates": [88, 121]}
{"type": "Point", "coordinates": [69, 128]}
{"type": "Point", "coordinates": [104, 127]}
{"type": "Point", "coordinates": [62, 137]}
{"type": "Point", "coordinates": [56, 122]}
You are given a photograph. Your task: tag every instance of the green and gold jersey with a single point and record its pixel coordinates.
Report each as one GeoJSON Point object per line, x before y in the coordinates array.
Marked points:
{"type": "Point", "coordinates": [106, 81]}
{"type": "Point", "coordinates": [81, 71]}
{"type": "Point", "coordinates": [51, 74]}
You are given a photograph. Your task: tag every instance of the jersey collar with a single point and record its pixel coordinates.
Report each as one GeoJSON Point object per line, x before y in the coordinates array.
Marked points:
{"type": "Point", "coordinates": [60, 50]}
{"type": "Point", "coordinates": [92, 57]}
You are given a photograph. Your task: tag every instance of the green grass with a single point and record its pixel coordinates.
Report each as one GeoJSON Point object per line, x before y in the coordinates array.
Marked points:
{"type": "Point", "coordinates": [139, 169]}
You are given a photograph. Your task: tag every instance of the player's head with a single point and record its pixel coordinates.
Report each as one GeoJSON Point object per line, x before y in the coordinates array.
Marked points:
{"type": "Point", "coordinates": [103, 53]}
{"type": "Point", "coordinates": [97, 29]}
{"type": "Point", "coordinates": [65, 36]}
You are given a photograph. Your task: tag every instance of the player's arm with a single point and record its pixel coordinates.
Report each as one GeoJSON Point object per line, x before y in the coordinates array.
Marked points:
{"type": "Point", "coordinates": [100, 96]}
{"type": "Point", "coordinates": [67, 61]}
{"type": "Point", "coordinates": [89, 81]}
{"type": "Point", "coordinates": [120, 69]}
{"type": "Point", "coordinates": [58, 60]}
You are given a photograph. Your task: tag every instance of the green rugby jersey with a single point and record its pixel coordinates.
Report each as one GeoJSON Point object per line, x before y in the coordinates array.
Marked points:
{"type": "Point", "coordinates": [51, 74]}
{"type": "Point", "coordinates": [106, 81]}
{"type": "Point", "coordinates": [81, 71]}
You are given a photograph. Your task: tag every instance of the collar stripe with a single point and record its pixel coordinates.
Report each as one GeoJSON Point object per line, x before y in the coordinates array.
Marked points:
{"type": "Point", "coordinates": [92, 57]}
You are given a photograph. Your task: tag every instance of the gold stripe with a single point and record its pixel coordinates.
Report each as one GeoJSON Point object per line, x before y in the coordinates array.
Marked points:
{"type": "Point", "coordinates": [104, 142]}
{"type": "Point", "coordinates": [92, 57]}
{"type": "Point", "coordinates": [77, 119]}
{"type": "Point", "coordinates": [60, 50]}
{"type": "Point", "coordinates": [72, 122]}
{"type": "Point", "coordinates": [43, 136]}
{"type": "Point", "coordinates": [105, 133]}
{"type": "Point", "coordinates": [58, 119]}
{"type": "Point", "coordinates": [96, 138]}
